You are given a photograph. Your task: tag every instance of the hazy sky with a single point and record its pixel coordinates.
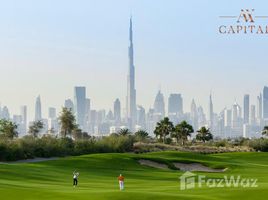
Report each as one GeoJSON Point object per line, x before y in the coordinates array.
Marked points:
{"type": "Point", "coordinates": [47, 47]}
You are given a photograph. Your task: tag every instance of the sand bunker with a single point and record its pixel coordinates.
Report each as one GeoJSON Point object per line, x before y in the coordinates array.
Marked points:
{"type": "Point", "coordinates": [181, 166]}
{"type": "Point", "coordinates": [154, 164]}
{"type": "Point", "coordinates": [196, 167]}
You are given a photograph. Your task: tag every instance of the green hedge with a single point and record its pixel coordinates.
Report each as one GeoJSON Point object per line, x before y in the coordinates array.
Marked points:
{"type": "Point", "coordinates": [48, 146]}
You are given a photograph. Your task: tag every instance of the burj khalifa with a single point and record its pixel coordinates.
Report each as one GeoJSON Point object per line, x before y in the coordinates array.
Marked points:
{"type": "Point", "coordinates": [131, 91]}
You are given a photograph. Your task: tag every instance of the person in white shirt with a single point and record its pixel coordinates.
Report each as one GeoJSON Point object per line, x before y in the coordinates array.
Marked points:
{"type": "Point", "coordinates": [75, 178]}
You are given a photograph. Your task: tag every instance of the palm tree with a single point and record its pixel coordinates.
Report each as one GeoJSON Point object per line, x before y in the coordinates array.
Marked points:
{"type": "Point", "coordinates": [141, 135]}
{"type": "Point", "coordinates": [67, 122]}
{"type": "Point", "coordinates": [124, 132]}
{"type": "Point", "coordinates": [8, 129]}
{"type": "Point", "coordinates": [204, 134]}
{"type": "Point", "coordinates": [36, 128]}
{"type": "Point", "coordinates": [182, 131]}
{"type": "Point", "coordinates": [163, 129]}
{"type": "Point", "coordinates": [265, 131]}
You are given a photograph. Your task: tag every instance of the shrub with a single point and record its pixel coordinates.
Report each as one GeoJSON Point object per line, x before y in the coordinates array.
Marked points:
{"type": "Point", "coordinates": [259, 144]}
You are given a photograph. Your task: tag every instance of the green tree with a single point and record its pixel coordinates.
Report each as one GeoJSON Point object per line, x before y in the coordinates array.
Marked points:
{"type": "Point", "coordinates": [163, 129]}
{"type": "Point", "coordinates": [36, 128]}
{"type": "Point", "coordinates": [265, 131]}
{"type": "Point", "coordinates": [8, 129]}
{"type": "Point", "coordinates": [141, 135]}
{"type": "Point", "coordinates": [204, 134]}
{"type": "Point", "coordinates": [182, 131]}
{"type": "Point", "coordinates": [67, 122]}
{"type": "Point", "coordinates": [78, 134]}
{"type": "Point", "coordinates": [124, 132]}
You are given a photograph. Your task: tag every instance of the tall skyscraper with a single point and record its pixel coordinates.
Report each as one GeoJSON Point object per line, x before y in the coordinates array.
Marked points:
{"type": "Point", "coordinates": [227, 117]}
{"type": "Point", "coordinates": [159, 105]}
{"type": "Point", "coordinates": [210, 113]}
{"type": "Point", "coordinates": [69, 104]}
{"type": "Point", "coordinates": [51, 113]}
{"type": "Point", "coordinates": [38, 110]}
{"type": "Point", "coordinates": [117, 111]}
{"type": "Point", "coordinates": [141, 117]}
{"type": "Point", "coordinates": [252, 115]}
{"type": "Point", "coordinates": [131, 91]}
{"type": "Point", "coordinates": [246, 109]}
{"type": "Point", "coordinates": [80, 105]}
{"type": "Point", "coordinates": [23, 113]}
{"type": "Point", "coordinates": [175, 104]}
{"type": "Point", "coordinates": [265, 102]}
{"type": "Point", "coordinates": [193, 115]}
{"type": "Point", "coordinates": [259, 106]}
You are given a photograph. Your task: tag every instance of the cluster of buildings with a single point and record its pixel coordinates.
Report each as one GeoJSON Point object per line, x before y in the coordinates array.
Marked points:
{"type": "Point", "coordinates": [245, 120]}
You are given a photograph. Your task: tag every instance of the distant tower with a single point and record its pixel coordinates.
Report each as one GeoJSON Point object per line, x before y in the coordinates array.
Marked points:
{"type": "Point", "coordinates": [141, 117]}
{"type": "Point", "coordinates": [193, 115]}
{"type": "Point", "coordinates": [265, 102]}
{"type": "Point", "coordinates": [210, 112]}
{"type": "Point", "coordinates": [117, 112]}
{"type": "Point", "coordinates": [80, 105]}
{"type": "Point", "coordinates": [131, 91]}
{"type": "Point", "coordinates": [69, 104]}
{"type": "Point", "coordinates": [259, 106]}
{"type": "Point", "coordinates": [175, 104]}
{"type": "Point", "coordinates": [23, 113]}
{"type": "Point", "coordinates": [5, 113]}
{"type": "Point", "coordinates": [159, 105]}
{"type": "Point", "coordinates": [52, 113]}
{"type": "Point", "coordinates": [252, 115]}
{"type": "Point", "coordinates": [246, 109]}
{"type": "Point", "coordinates": [38, 110]}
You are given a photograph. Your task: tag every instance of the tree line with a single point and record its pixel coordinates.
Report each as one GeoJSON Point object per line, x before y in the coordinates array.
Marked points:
{"type": "Point", "coordinates": [165, 131]}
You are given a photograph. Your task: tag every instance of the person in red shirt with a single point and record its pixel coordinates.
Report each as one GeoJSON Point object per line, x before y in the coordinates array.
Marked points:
{"type": "Point", "coordinates": [121, 181]}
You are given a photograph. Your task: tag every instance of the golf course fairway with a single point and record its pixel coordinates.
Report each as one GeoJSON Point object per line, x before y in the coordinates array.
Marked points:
{"type": "Point", "coordinates": [98, 177]}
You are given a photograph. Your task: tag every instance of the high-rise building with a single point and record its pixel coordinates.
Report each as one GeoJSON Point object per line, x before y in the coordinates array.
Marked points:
{"type": "Point", "coordinates": [193, 115]}
{"type": "Point", "coordinates": [210, 113]}
{"type": "Point", "coordinates": [69, 104]}
{"type": "Point", "coordinates": [252, 115]}
{"type": "Point", "coordinates": [52, 113]}
{"type": "Point", "coordinates": [265, 102]}
{"type": "Point", "coordinates": [201, 116]}
{"type": "Point", "coordinates": [159, 105]}
{"type": "Point", "coordinates": [259, 106]}
{"type": "Point", "coordinates": [23, 113]}
{"type": "Point", "coordinates": [88, 106]}
{"type": "Point", "coordinates": [246, 109]}
{"type": "Point", "coordinates": [80, 105]}
{"type": "Point", "coordinates": [131, 91]}
{"type": "Point", "coordinates": [175, 104]}
{"type": "Point", "coordinates": [227, 117]}
{"type": "Point", "coordinates": [141, 117]}
{"type": "Point", "coordinates": [117, 111]}
{"type": "Point", "coordinates": [38, 110]}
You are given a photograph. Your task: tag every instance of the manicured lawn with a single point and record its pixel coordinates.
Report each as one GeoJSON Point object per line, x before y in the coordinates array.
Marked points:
{"type": "Point", "coordinates": [98, 177]}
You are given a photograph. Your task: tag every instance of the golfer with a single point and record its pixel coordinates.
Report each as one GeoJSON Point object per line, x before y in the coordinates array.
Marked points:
{"type": "Point", "coordinates": [121, 181]}
{"type": "Point", "coordinates": [75, 178]}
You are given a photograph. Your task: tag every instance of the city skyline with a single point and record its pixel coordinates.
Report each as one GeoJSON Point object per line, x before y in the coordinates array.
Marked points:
{"type": "Point", "coordinates": [46, 62]}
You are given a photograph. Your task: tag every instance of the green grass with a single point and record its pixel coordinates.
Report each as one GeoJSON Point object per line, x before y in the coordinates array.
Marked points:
{"type": "Point", "coordinates": [98, 177]}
